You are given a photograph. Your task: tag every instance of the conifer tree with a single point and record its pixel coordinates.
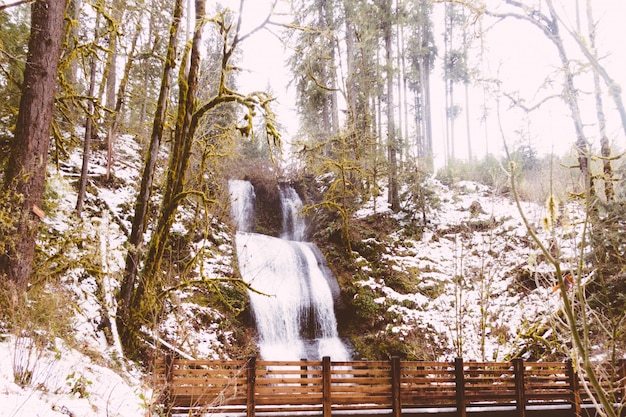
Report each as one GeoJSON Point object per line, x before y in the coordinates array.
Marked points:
{"type": "Point", "coordinates": [23, 182]}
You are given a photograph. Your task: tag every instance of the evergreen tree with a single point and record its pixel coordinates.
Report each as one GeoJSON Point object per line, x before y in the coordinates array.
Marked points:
{"type": "Point", "coordinates": [23, 182]}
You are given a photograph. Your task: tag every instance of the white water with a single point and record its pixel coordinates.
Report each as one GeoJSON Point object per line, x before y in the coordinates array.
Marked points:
{"type": "Point", "coordinates": [242, 199]}
{"type": "Point", "coordinates": [294, 226]}
{"type": "Point", "coordinates": [293, 291]}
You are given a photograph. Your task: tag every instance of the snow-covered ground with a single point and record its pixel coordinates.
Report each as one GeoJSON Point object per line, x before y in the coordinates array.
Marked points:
{"type": "Point", "coordinates": [89, 378]}
{"type": "Point", "coordinates": [473, 235]}
{"type": "Point", "coordinates": [466, 267]}
{"type": "Point", "coordinates": [60, 381]}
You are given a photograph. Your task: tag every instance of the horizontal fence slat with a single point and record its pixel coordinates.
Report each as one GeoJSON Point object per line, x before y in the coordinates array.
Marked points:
{"type": "Point", "coordinates": [284, 386]}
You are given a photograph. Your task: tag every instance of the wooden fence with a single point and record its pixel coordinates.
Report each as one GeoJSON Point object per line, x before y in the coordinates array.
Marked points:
{"type": "Point", "coordinates": [391, 387]}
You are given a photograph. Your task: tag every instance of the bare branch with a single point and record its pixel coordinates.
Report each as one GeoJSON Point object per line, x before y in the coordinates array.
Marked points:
{"type": "Point", "coordinates": [17, 3]}
{"type": "Point", "coordinates": [519, 102]}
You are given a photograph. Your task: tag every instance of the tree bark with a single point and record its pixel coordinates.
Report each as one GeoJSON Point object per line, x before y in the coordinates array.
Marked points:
{"type": "Point", "coordinates": [392, 142]}
{"type": "Point", "coordinates": [82, 187]}
{"type": "Point", "coordinates": [135, 240]}
{"type": "Point", "coordinates": [26, 170]}
{"type": "Point", "coordinates": [605, 146]}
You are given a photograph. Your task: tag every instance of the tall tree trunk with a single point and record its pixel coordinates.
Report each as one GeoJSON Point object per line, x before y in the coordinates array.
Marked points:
{"type": "Point", "coordinates": [468, 129]}
{"type": "Point", "coordinates": [143, 111]}
{"type": "Point", "coordinates": [351, 84]}
{"type": "Point", "coordinates": [447, 39]}
{"type": "Point", "coordinates": [114, 117]}
{"type": "Point", "coordinates": [422, 90]}
{"type": "Point", "coordinates": [571, 95]}
{"type": "Point", "coordinates": [82, 186]}
{"type": "Point", "coordinates": [135, 240]}
{"type": "Point", "coordinates": [143, 304]}
{"type": "Point", "coordinates": [111, 80]}
{"type": "Point", "coordinates": [405, 88]}
{"type": "Point", "coordinates": [392, 145]}
{"type": "Point", "coordinates": [401, 135]}
{"type": "Point", "coordinates": [329, 17]}
{"type": "Point", "coordinates": [605, 147]}
{"type": "Point", "coordinates": [26, 170]}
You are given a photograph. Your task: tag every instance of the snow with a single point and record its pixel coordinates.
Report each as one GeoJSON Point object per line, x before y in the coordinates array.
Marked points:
{"type": "Point", "coordinates": [470, 251]}
{"type": "Point", "coordinates": [89, 376]}
{"type": "Point", "coordinates": [464, 263]}
{"type": "Point", "coordinates": [64, 382]}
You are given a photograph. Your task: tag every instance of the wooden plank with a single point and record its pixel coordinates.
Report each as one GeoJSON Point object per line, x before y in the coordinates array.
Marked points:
{"type": "Point", "coordinates": [288, 400]}
{"type": "Point", "coordinates": [460, 387]}
{"type": "Point", "coordinates": [325, 385]}
{"type": "Point", "coordinates": [326, 392]}
{"type": "Point", "coordinates": [273, 364]}
{"type": "Point", "coordinates": [251, 386]}
{"type": "Point", "coordinates": [286, 389]}
{"type": "Point", "coordinates": [396, 387]}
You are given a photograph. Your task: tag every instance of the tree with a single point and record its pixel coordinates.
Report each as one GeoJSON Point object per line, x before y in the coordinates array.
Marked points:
{"type": "Point", "coordinates": [146, 297]}
{"type": "Point", "coordinates": [392, 140]}
{"type": "Point", "coordinates": [314, 67]}
{"type": "Point", "coordinates": [548, 24]}
{"type": "Point", "coordinates": [421, 53]}
{"type": "Point", "coordinates": [14, 31]}
{"type": "Point", "coordinates": [89, 123]}
{"type": "Point", "coordinates": [578, 318]}
{"type": "Point", "coordinates": [25, 175]}
{"type": "Point", "coordinates": [609, 191]}
{"type": "Point", "coordinates": [135, 239]}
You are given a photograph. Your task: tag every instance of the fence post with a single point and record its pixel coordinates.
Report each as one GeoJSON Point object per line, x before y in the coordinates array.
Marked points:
{"type": "Point", "coordinates": [459, 377]}
{"type": "Point", "coordinates": [621, 379]}
{"type": "Point", "coordinates": [303, 368]}
{"type": "Point", "coordinates": [251, 386]}
{"type": "Point", "coordinates": [169, 376]}
{"type": "Point", "coordinates": [574, 387]}
{"type": "Point", "coordinates": [326, 400]}
{"type": "Point", "coordinates": [396, 402]}
{"type": "Point", "coordinates": [520, 387]}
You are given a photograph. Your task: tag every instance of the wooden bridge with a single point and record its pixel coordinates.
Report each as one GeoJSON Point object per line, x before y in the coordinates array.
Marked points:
{"type": "Point", "coordinates": [390, 388]}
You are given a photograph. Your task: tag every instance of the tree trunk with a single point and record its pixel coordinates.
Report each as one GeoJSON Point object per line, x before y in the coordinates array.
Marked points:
{"type": "Point", "coordinates": [392, 143]}
{"type": "Point", "coordinates": [571, 94]}
{"type": "Point", "coordinates": [143, 304]}
{"type": "Point", "coordinates": [423, 113]}
{"type": "Point", "coordinates": [26, 170]}
{"type": "Point", "coordinates": [135, 240]}
{"type": "Point", "coordinates": [114, 118]}
{"type": "Point", "coordinates": [82, 187]}
{"type": "Point", "coordinates": [111, 80]}
{"type": "Point", "coordinates": [605, 147]}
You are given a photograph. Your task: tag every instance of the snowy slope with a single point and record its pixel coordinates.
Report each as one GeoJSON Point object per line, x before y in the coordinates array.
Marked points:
{"type": "Point", "coordinates": [88, 378]}
{"type": "Point", "coordinates": [472, 234]}
{"type": "Point", "coordinates": [65, 382]}
{"type": "Point", "coordinates": [467, 265]}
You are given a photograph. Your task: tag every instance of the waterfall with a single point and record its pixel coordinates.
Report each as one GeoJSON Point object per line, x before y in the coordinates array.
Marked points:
{"type": "Point", "coordinates": [294, 226]}
{"type": "Point", "coordinates": [293, 290]}
{"type": "Point", "coordinates": [242, 199]}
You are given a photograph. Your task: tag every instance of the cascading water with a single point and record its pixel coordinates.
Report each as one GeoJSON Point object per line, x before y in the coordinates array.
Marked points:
{"type": "Point", "coordinates": [293, 291]}
{"type": "Point", "coordinates": [242, 199]}
{"type": "Point", "coordinates": [294, 226]}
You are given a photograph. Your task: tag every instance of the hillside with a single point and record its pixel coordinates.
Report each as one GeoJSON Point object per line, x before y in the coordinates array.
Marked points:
{"type": "Point", "coordinates": [468, 282]}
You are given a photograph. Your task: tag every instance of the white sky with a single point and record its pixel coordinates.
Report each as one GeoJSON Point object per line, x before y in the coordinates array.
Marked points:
{"type": "Point", "coordinates": [519, 55]}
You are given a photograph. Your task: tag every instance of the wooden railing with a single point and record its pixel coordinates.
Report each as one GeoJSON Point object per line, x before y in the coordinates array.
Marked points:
{"type": "Point", "coordinates": [324, 387]}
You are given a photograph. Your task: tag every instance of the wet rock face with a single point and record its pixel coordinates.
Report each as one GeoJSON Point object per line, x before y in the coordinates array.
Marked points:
{"type": "Point", "coordinates": [268, 209]}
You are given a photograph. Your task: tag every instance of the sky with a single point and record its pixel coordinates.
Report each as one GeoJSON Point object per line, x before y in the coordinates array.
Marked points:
{"type": "Point", "coordinates": [518, 54]}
